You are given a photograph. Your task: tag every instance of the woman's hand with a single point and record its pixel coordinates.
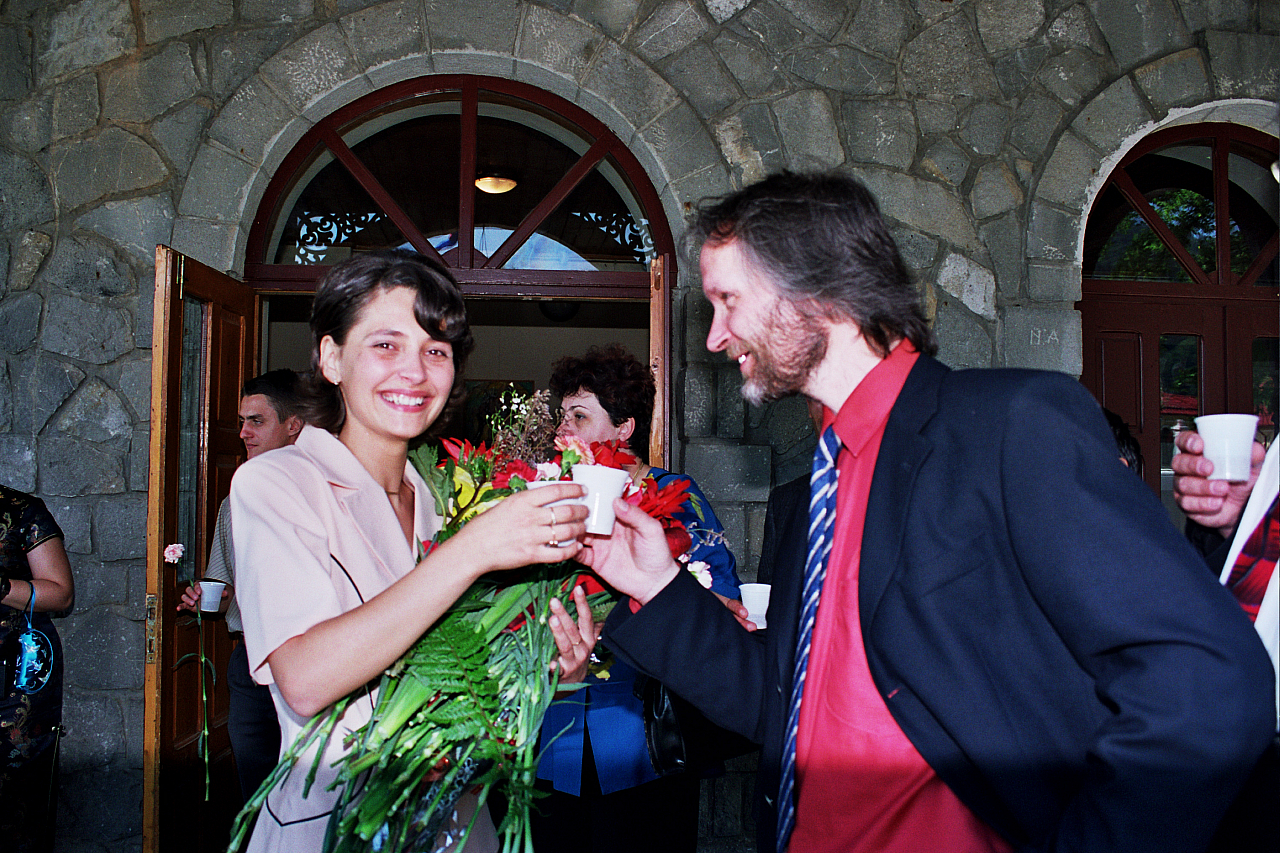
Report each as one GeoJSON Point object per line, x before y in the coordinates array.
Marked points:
{"type": "Point", "coordinates": [738, 609]}
{"type": "Point", "coordinates": [634, 559]}
{"type": "Point", "coordinates": [574, 639]}
{"type": "Point", "coordinates": [524, 529]}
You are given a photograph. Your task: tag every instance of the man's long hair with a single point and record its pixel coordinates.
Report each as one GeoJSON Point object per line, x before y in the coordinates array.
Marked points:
{"type": "Point", "coordinates": [822, 242]}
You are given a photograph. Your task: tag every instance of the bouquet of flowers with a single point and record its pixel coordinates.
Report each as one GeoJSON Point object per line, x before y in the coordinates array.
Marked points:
{"type": "Point", "coordinates": [463, 707]}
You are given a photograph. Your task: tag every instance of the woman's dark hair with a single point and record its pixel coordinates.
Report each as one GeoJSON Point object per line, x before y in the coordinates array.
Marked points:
{"type": "Point", "coordinates": [621, 382]}
{"type": "Point", "coordinates": [820, 239]}
{"type": "Point", "coordinates": [344, 292]}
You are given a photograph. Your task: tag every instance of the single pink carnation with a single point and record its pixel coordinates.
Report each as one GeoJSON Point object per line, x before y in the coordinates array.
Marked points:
{"type": "Point", "coordinates": [173, 553]}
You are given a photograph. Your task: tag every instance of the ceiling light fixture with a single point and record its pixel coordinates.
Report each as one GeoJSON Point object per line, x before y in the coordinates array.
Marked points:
{"type": "Point", "coordinates": [496, 183]}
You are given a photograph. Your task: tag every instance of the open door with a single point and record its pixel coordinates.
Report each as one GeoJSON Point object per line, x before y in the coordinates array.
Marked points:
{"type": "Point", "coordinates": [660, 358]}
{"type": "Point", "coordinates": [204, 347]}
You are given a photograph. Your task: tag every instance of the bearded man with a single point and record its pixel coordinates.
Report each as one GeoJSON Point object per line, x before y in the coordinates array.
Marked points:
{"type": "Point", "coordinates": [984, 633]}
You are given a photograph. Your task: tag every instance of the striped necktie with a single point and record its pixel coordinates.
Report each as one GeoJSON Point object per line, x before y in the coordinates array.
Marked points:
{"type": "Point", "coordinates": [822, 516]}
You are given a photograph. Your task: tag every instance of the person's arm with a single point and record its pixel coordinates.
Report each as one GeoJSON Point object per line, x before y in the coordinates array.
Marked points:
{"type": "Point", "coordinates": [51, 580]}
{"type": "Point", "coordinates": [342, 652]}
{"type": "Point", "coordinates": [1215, 504]}
{"type": "Point", "coordinates": [1186, 685]}
{"type": "Point", "coordinates": [219, 567]}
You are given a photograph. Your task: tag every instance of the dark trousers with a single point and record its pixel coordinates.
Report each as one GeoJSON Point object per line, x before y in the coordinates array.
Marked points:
{"type": "Point", "coordinates": [251, 724]}
{"type": "Point", "coordinates": [1252, 824]}
{"type": "Point", "coordinates": [661, 815]}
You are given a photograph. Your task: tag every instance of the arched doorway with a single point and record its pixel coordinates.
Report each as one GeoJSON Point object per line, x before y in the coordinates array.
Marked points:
{"type": "Point", "coordinates": [545, 217]}
{"type": "Point", "coordinates": [1179, 304]}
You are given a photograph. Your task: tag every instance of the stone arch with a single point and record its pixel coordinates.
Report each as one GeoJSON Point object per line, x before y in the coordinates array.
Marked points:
{"type": "Point", "coordinates": [1103, 131]}
{"type": "Point", "coordinates": [336, 63]}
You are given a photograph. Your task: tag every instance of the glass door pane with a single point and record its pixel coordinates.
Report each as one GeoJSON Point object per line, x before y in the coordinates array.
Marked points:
{"type": "Point", "coordinates": [191, 407]}
{"type": "Point", "coordinates": [1266, 366]}
{"type": "Point", "coordinates": [1180, 403]}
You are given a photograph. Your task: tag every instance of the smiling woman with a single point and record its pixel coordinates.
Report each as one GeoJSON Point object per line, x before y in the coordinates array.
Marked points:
{"type": "Point", "coordinates": [327, 531]}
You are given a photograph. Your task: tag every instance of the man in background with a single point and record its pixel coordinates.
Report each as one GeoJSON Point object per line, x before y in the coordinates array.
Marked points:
{"type": "Point", "coordinates": [268, 420]}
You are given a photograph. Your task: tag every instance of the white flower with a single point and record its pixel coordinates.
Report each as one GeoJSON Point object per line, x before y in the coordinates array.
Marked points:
{"type": "Point", "coordinates": [173, 553]}
{"type": "Point", "coordinates": [548, 471]}
{"type": "Point", "coordinates": [702, 572]}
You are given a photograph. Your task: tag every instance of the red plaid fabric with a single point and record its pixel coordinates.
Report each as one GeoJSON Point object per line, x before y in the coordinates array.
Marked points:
{"type": "Point", "coordinates": [1257, 561]}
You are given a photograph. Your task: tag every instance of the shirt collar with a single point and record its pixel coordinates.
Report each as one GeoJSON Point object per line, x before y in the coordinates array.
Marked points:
{"type": "Point", "coordinates": [866, 410]}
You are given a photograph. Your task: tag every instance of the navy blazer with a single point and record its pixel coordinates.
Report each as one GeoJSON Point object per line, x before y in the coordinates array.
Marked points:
{"type": "Point", "coordinates": [1049, 643]}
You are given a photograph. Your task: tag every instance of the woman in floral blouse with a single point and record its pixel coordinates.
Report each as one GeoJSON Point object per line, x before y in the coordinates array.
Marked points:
{"type": "Point", "coordinates": [35, 580]}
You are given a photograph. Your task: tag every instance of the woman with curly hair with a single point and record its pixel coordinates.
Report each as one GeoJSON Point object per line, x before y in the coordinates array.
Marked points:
{"type": "Point", "coordinates": [603, 793]}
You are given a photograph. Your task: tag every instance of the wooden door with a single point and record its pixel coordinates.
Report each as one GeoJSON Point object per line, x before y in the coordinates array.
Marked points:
{"type": "Point", "coordinates": [204, 348]}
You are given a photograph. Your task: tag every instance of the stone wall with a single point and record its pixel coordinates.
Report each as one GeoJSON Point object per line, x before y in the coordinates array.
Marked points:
{"type": "Point", "coordinates": [985, 127]}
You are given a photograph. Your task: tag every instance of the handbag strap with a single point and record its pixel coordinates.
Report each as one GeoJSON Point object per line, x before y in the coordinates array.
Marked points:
{"type": "Point", "coordinates": [31, 605]}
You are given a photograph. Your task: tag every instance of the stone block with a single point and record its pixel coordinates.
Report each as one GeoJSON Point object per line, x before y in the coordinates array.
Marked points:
{"type": "Point", "coordinates": [238, 54]}
{"type": "Point", "coordinates": [697, 74]}
{"type": "Point", "coordinates": [215, 187]}
{"type": "Point", "coordinates": [750, 143]}
{"type": "Point", "coordinates": [133, 381]}
{"type": "Point", "coordinates": [18, 461]}
{"type": "Point", "coordinates": [70, 468]}
{"type": "Point", "coordinates": [135, 225]}
{"type": "Point", "coordinates": [98, 585]}
{"type": "Point", "coordinates": [562, 44]}
{"type": "Point", "coordinates": [6, 399]}
{"type": "Point", "coordinates": [143, 317]}
{"type": "Point", "coordinates": [918, 250]}
{"type": "Point", "coordinates": [543, 78]}
{"type": "Point", "coordinates": [946, 59]}
{"type": "Point", "coordinates": [727, 816]}
{"type": "Point", "coordinates": [985, 127]}
{"type": "Point", "coordinates": [698, 314]}
{"type": "Point", "coordinates": [680, 140]}
{"type": "Point", "coordinates": [631, 86]}
{"type": "Point", "coordinates": [178, 133]}
{"type": "Point", "coordinates": [276, 11]}
{"type": "Point", "coordinates": [312, 67]}
{"type": "Point", "coordinates": [213, 242]}
{"type": "Point", "coordinates": [75, 107]}
{"type": "Point", "coordinates": [1071, 169]}
{"type": "Point", "coordinates": [84, 35]}
{"type": "Point", "coordinates": [672, 27]}
{"type": "Point", "coordinates": [1072, 76]}
{"type": "Point", "coordinates": [946, 161]}
{"type": "Point", "coordinates": [1243, 64]}
{"type": "Point", "coordinates": [824, 17]}
{"type": "Point", "coordinates": [28, 254]}
{"type": "Point", "coordinates": [19, 321]}
{"type": "Point", "coordinates": [733, 521]}
{"type": "Point", "coordinates": [722, 10]}
{"type": "Point", "coordinates": [935, 116]}
{"type": "Point", "coordinates": [963, 339]}
{"type": "Point", "coordinates": [15, 68]}
{"type": "Point", "coordinates": [73, 518]}
{"type": "Point", "coordinates": [93, 726]}
{"type": "Point", "coordinates": [385, 32]}
{"type": "Point", "coordinates": [879, 26]}
{"type": "Point", "coordinates": [115, 161]}
{"type": "Point", "coordinates": [807, 124]}
{"type": "Point", "coordinates": [470, 62]}
{"type": "Point", "coordinates": [100, 802]}
{"type": "Point", "coordinates": [120, 527]}
{"type": "Point", "coordinates": [995, 190]}
{"type": "Point", "coordinates": [1139, 30]}
{"type": "Point", "coordinates": [40, 385]}
{"type": "Point", "coordinates": [1043, 338]}
{"type": "Point", "coordinates": [27, 126]}
{"type": "Point", "coordinates": [755, 70]}
{"type": "Point", "coordinates": [83, 264]}
{"type": "Point", "coordinates": [488, 25]}
{"type": "Point", "coordinates": [1073, 29]}
{"type": "Point", "coordinates": [767, 25]}
{"type": "Point", "coordinates": [614, 17]}
{"type": "Point", "coordinates": [1053, 233]}
{"type": "Point", "coordinates": [141, 90]}
{"type": "Point", "coordinates": [96, 413]}
{"type": "Point", "coordinates": [971, 283]}
{"type": "Point", "coordinates": [1218, 14]}
{"type": "Point", "coordinates": [108, 652]}
{"type": "Point", "coordinates": [139, 459]}
{"type": "Point", "coordinates": [697, 412]}
{"type": "Point", "coordinates": [249, 122]}
{"type": "Point", "coordinates": [924, 205]}
{"type": "Point", "coordinates": [1053, 282]}
{"type": "Point", "coordinates": [880, 131]}
{"type": "Point", "coordinates": [730, 407]}
{"type": "Point", "coordinates": [166, 19]}
{"type": "Point", "coordinates": [26, 199]}
{"type": "Point", "coordinates": [1016, 70]}
{"type": "Point", "coordinates": [712, 181]}
{"type": "Point", "coordinates": [1035, 125]}
{"type": "Point", "coordinates": [1008, 24]}
{"type": "Point", "coordinates": [1002, 237]}
{"type": "Point", "coordinates": [843, 69]}
{"type": "Point", "coordinates": [1115, 115]}
{"type": "Point", "coordinates": [85, 330]}
{"type": "Point", "coordinates": [729, 472]}
{"type": "Point", "coordinates": [1175, 81]}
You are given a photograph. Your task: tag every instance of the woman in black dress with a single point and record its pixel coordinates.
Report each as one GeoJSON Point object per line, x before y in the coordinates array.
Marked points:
{"type": "Point", "coordinates": [35, 580]}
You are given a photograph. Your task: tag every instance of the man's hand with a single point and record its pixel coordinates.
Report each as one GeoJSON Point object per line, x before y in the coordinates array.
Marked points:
{"type": "Point", "coordinates": [634, 559]}
{"type": "Point", "coordinates": [1213, 503]}
{"type": "Point", "coordinates": [190, 600]}
{"type": "Point", "coordinates": [738, 609]}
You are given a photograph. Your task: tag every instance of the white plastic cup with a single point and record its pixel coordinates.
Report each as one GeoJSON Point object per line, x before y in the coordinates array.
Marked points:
{"type": "Point", "coordinates": [211, 595]}
{"type": "Point", "coordinates": [755, 597]}
{"type": "Point", "coordinates": [603, 484]}
{"type": "Point", "coordinates": [537, 484]}
{"type": "Point", "coordinates": [1228, 444]}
